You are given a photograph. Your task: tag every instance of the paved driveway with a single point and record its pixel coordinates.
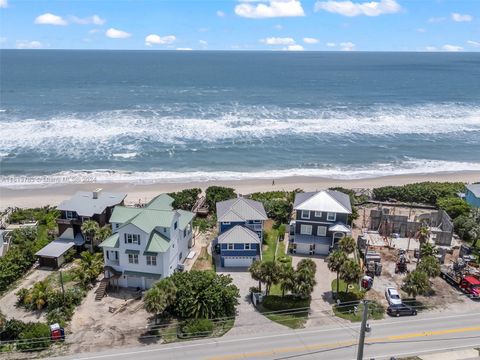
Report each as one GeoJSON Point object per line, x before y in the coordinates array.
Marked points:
{"type": "Point", "coordinates": [249, 320]}
{"type": "Point", "coordinates": [321, 306]}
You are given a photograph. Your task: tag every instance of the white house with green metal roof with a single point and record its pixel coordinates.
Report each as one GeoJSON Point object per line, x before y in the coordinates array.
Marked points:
{"type": "Point", "coordinates": [147, 243]}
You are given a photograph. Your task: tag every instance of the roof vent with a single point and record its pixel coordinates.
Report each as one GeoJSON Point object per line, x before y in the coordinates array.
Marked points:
{"type": "Point", "coordinates": [96, 193]}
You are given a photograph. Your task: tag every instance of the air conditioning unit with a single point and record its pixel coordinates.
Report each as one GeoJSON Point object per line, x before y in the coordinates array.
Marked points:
{"type": "Point", "coordinates": [180, 267]}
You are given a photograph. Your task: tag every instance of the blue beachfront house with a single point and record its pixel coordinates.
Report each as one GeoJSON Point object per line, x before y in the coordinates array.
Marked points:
{"type": "Point", "coordinates": [240, 224]}
{"type": "Point", "coordinates": [472, 195]}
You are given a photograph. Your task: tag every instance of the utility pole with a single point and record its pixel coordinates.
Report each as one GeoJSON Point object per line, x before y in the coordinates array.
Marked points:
{"type": "Point", "coordinates": [363, 329]}
{"type": "Point", "coordinates": [61, 283]}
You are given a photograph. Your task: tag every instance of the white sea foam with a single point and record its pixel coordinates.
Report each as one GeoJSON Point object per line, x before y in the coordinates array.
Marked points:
{"type": "Point", "coordinates": [126, 155]}
{"type": "Point", "coordinates": [414, 166]}
{"type": "Point", "coordinates": [101, 133]}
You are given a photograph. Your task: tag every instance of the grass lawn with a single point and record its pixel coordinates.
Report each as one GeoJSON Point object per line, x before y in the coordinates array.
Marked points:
{"type": "Point", "coordinates": [293, 321]}
{"type": "Point", "coordinates": [204, 261]}
{"type": "Point", "coordinates": [288, 311]}
{"type": "Point", "coordinates": [169, 334]}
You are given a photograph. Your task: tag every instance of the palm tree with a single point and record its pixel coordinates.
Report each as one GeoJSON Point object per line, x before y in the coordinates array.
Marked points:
{"type": "Point", "coordinates": [162, 295]}
{"type": "Point", "coordinates": [89, 266]}
{"type": "Point", "coordinates": [430, 266]}
{"type": "Point", "coordinates": [347, 244]}
{"type": "Point", "coordinates": [37, 296]}
{"type": "Point", "coordinates": [350, 273]}
{"type": "Point", "coordinates": [256, 272]}
{"type": "Point", "coordinates": [429, 250]}
{"type": "Point", "coordinates": [269, 274]}
{"type": "Point", "coordinates": [304, 281]}
{"type": "Point", "coordinates": [90, 230]}
{"type": "Point", "coordinates": [307, 263]}
{"type": "Point", "coordinates": [475, 234]}
{"type": "Point", "coordinates": [335, 262]}
{"type": "Point", "coordinates": [416, 283]}
{"type": "Point", "coordinates": [287, 278]}
{"type": "Point", "coordinates": [103, 233]}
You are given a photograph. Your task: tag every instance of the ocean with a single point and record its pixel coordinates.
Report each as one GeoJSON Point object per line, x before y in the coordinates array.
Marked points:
{"type": "Point", "coordinates": [172, 116]}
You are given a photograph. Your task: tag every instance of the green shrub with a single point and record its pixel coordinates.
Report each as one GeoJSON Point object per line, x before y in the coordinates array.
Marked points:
{"type": "Point", "coordinates": [185, 199]}
{"type": "Point", "coordinates": [35, 336]}
{"type": "Point", "coordinates": [197, 327]}
{"type": "Point", "coordinates": [214, 194]}
{"type": "Point", "coordinates": [454, 206]}
{"type": "Point", "coordinates": [12, 329]}
{"type": "Point", "coordinates": [277, 303]}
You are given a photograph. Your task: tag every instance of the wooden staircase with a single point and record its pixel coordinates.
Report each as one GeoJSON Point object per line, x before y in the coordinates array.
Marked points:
{"type": "Point", "coordinates": [102, 289]}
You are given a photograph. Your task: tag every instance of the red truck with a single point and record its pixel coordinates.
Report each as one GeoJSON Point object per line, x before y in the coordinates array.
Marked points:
{"type": "Point", "coordinates": [467, 283]}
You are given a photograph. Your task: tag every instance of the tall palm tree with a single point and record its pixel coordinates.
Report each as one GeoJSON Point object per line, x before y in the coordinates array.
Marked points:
{"type": "Point", "coordinates": [269, 274]}
{"type": "Point", "coordinates": [256, 272]}
{"type": "Point", "coordinates": [335, 262]}
{"type": "Point", "coordinates": [350, 272]}
{"type": "Point", "coordinates": [287, 278]}
{"type": "Point", "coordinates": [90, 230]}
{"type": "Point", "coordinates": [304, 282]}
{"type": "Point", "coordinates": [416, 283]}
{"type": "Point", "coordinates": [307, 263]}
{"type": "Point", "coordinates": [430, 266]}
{"type": "Point", "coordinates": [103, 233]}
{"type": "Point", "coordinates": [89, 267]}
{"type": "Point", "coordinates": [423, 235]}
{"type": "Point", "coordinates": [162, 295]}
{"type": "Point", "coordinates": [347, 244]}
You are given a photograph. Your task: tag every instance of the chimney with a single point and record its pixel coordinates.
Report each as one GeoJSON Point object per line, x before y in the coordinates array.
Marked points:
{"type": "Point", "coordinates": [96, 192]}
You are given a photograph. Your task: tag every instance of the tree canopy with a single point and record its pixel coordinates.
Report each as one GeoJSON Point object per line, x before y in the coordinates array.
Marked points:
{"type": "Point", "coordinates": [215, 194]}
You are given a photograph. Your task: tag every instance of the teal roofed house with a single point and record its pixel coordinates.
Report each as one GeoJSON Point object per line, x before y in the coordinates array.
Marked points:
{"type": "Point", "coordinates": [147, 243]}
{"type": "Point", "coordinates": [472, 195]}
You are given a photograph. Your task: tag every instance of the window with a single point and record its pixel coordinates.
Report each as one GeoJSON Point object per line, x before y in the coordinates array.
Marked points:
{"type": "Point", "coordinates": [230, 246]}
{"type": "Point", "coordinates": [247, 246]}
{"type": "Point", "coordinates": [164, 230]}
{"type": "Point", "coordinates": [322, 231]}
{"type": "Point", "coordinates": [180, 256]}
{"type": "Point", "coordinates": [185, 233]}
{"type": "Point", "coordinates": [108, 255]}
{"type": "Point", "coordinates": [133, 258]}
{"type": "Point", "coordinates": [306, 229]}
{"type": "Point", "coordinates": [226, 223]}
{"type": "Point", "coordinates": [331, 216]}
{"type": "Point", "coordinates": [117, 225]}
{"type": "Point", "coordinates": [318, 214]}
{"type": "Point", "coordinates": [151, 260]}
{"type": "Point", "coordinates": [257, 221]}
{"type": "Point", "coordinates": [70, 215]}
{"type": "Point", "coordinates": [132, 239]}
{"type": "Point", "coordinates": [305, 214]}
{"type": "Point", "coordinates": [175, 225]}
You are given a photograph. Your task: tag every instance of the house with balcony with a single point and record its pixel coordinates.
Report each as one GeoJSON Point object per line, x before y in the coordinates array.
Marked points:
{"type": "Point", "coordinates": [147, 244]}
{"type": "Point", "coordinates": [240, 224]}
{"type": "Point", "coordinates": [82, 206]}
{"type": "Point", "coordinates": [320, 220]}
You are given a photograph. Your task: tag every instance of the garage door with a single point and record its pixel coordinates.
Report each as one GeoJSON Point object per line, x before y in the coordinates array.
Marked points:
{"type": "Point", "coordinates": [149, 282]}
{"type": "Point", "coordinates": [134, 281]}
{"type": "Point", "coordinates": [237, 261]}
{"type": "Point", "coordinates": [322, 249]}
{"type": "Point", "coordinates": [302, 249]}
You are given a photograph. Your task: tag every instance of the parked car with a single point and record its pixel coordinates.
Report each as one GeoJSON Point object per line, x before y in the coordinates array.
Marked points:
{"type": "Point", "coordinates": [392, 295]}
{"type": "Point", "coordinates": [401, 310]}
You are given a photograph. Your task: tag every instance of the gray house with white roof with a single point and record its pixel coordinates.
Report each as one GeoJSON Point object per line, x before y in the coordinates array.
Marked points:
{"type": "Point", "coordinates": [321, 219]}
{"type": "Point", "coordinates": [240, 224]}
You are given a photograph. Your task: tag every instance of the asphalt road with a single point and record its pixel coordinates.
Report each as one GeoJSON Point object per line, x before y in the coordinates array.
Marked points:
{"type": "Point", "coordinates": [389, 337]}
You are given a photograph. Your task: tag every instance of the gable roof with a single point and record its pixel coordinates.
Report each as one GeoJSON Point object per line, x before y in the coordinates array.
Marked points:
{"type": "Point", "coordinates": [157, 243]}
{"type": "Point", "coordinates": [240, 209]}
{"type": "Point", "coordinates": [161, 202]}
{"type": "Point", "coordinates": [239, 235]}
{"type": "Point", "coordinates": [147, 219]}
{"type": "Point", "coordinates": [325, 200]}
{"type": "Point", "coordinates": [84, 204]}
{"type": "Point", "coordinates": [111, 241]}
{"type": "Point", "coordinates": [474, 189]}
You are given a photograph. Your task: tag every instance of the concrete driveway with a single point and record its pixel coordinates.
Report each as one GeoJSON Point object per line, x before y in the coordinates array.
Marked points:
{"type": "Point", "coordinates": [249, 320]}
{"type": "Point", "coordinates": [321, 306]}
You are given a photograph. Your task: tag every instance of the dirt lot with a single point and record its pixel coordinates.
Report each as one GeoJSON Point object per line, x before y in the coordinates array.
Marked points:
{"type": "Point", "coordinates": [443, 298]}
{"type": "Point", "coordinates": [118, 319]}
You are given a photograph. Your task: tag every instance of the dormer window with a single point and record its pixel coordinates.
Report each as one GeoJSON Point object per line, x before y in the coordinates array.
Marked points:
{"type": "Point", "coordinates": [175, 225]}
{"type": "Point", "coordinates": [132, 239]}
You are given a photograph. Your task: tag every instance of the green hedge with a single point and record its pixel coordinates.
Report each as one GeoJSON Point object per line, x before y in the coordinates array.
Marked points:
{"type": "Point", "coordinates": [278, 303]}
{"type": "Point", "coordinates": [197, 328]}
{"type": "Point", "coordinates": [424, 192]}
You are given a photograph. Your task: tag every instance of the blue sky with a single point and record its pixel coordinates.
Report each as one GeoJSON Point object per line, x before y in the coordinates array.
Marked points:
{"type": "Point", "coordinates": [338, 25]}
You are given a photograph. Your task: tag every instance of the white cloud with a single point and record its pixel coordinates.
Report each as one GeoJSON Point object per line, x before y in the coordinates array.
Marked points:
{"type": "Point", "coordinates": [50, 19]}
{"type": "Point", "coordinates": [421, 30]}
{"type": "Point", "coordinates": [154, 39]}
{"type": "Point", "coordinates": [278, 41]}
{"type": "Point", "coordinates": [3, 3]}
{"type": "Point", "coordinates": [295, 47]}
{"type": "Point", "coordinates": [272, 9]}
{"type": "Point", "coordinates": [309, 40]}
{"type": "Point", "coordinates": [461, 17]}
{"type": "Point", "coordinates": [184, 49]}
{"type": "Point", "coordinates": [26, 44]}
{"type": "Point", "coordinates": [349, 8]}
{"type": "Point", "coordinates": [331, 44]}
{"type": "Point", "coordinates": [117, 34]}
{"type": "Point", "coordinates": [451, 48]}
{"type": "Point", "coordinates": [347, 46]}
{"type": "Point", "coordinates": [436, 20]}
{"type": "Point", "coordinates": [94, 19]}
{"type": "Point", "coordinates": [473, 43]}
{"type": "Point", "coordinates": [220, 13]}
{"type": "Point", "coordinates": [278, 27]}
{"type": "Point", "coordinates": [430, 48]}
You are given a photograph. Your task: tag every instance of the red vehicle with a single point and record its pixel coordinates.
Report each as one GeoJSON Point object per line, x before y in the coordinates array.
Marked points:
{"type": "Point", "coordinates": [467, 283]}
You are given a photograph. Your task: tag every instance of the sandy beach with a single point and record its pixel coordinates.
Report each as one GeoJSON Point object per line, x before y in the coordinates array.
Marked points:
{"type": "Point", "coordinates": [54, 194]}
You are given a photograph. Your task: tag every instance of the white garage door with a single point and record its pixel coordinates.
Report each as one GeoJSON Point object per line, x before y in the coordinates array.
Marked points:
{"type": "Point", "coordinates": [134, 281]}
{"type": "Point", "coordinates": [302, 249]}
{"type": "Point", "coordinates": [149, 282]}
{"type": "Point", "coordinates": [322, 249]}
{"type": "Point", "coordinates": [237, 261]}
